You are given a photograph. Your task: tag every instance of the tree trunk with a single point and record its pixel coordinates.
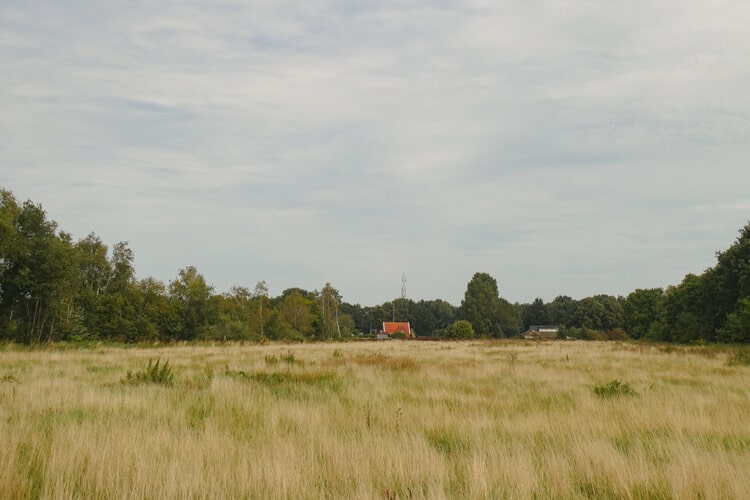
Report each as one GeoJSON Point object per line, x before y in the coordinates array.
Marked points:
{"type": "Point", "coordinates": [338, 327]}
{"type": "Point", "coordinates": [260, 316]}
{"type": "Point", "coordinates": [51, 331]}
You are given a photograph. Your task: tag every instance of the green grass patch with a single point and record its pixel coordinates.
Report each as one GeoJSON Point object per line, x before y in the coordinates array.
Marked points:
{"type": "Point", "coordinates": [447, 441]}
{"type": "Point", "coordinates": [655, 490]}
{"type": "Point", "coordinates": [294, 385]}
{"type": "Point", "coordinates": [100, 369]}
{"type": "Point", "coordinates": [614, 389]}
{"type": "Point", "coordinates": [598, 488]}
{"type": "Point", "coordinates": [198, 409]}
{"type": "Point", "coordinates": [380, 360]}
{"type": "Point", "coordinates": [718, 442]}
{"type": "Point", "coordinates": [623, 443]}
{"type": "Point", "coordinates": [30, 466]}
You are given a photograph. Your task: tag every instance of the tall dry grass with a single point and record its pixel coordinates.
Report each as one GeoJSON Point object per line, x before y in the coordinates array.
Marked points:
{"type": "Point", "coordinates": [377, 420]}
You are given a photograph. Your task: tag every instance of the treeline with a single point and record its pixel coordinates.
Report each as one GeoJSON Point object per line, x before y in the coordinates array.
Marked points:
{"type": "Point", "coordinates": [710, 307]}
{"type": "Point", "coordinates": [53, 288]}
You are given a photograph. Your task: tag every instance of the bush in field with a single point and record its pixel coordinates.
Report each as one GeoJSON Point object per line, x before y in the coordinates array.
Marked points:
{"type": "Point", "coordinates": [461, 329]}
{"type": "Point", "coordinates": [155, 373]}
{"type": "Point", "coordinates": [590, 334]}
{"type": "Point", "coordinates": [614, 388]}
{"type": "Point", "coordinates": [616, 334]}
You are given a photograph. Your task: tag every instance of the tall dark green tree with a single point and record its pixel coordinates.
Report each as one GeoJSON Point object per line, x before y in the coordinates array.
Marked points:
{"type": "Point", "coordinates": [535, 314]}
{"type": "Point", "coordinates": [296, 313]}
{"type": "Point", "coordinates": [427, 316]}
{"type": "Point", "coordinates": [193, 311]}
{"type": "Point", "coordinates": [95, 274]}
{"type": "Point", "coordinates": [107, 291]}
{"type": "Point", "coordinates": [728, 283]}
{"type": "Point", "coordinates": [119, 301]}
{"type": "Point", "coordinates": [37, 273]}
{"type": "Point", "coordinates": [480, 303]}
{"type": "Point", "coordinates": [640, 311]}
{"type": "Point", "coordinates": [709, 306]}
{"type": "Point", "coordinates": [589, 314]}
{"type": "Point", "coordinates": [488, 314]}
{"type": "Point", "coordinates": [737, 326]}
{"type": "Point", "coordinates": [561, 310]}
{"type": "Point", "coordinates": [600, 312]}
{"type": "Point", "coordinates": [682, 315]}
{"type": "Point", "coordinates": [612, 317]}
{"type": "Point", "coordinates": [153, 310]}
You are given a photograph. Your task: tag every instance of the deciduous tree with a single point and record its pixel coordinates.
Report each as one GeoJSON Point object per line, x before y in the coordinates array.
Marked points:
{"type": "Point", "coordinates": [640, 311]}
{"type": "Point", "coordinates": [488, 314]}
{"type": "Point", "coordinates": [190, 297]}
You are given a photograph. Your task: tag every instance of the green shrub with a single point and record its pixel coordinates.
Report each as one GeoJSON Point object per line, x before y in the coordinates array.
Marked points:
{"type": "Point", "coordinates": [461, 329]}
{"type": "Point", "coordinates": [155, 373]}
{"type": "Point", "coordinates": [616, 334]}
{"type": "Point", "coordinates": [614, 388]}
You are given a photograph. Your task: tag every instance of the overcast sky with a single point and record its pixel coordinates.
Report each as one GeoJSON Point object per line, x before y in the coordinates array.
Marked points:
{"type": "Point", "coordinates": [567, 147]}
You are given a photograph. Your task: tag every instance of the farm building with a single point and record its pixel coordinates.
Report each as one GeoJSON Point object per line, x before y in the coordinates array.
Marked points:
{"type": "Point", "coordinates": [392, 327]}
{"type": "Point", "coordinates": [542, 332]}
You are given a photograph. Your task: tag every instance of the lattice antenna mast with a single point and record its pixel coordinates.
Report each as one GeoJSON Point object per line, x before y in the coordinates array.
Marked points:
{"type": "Point", "coordinates": [403, 286]}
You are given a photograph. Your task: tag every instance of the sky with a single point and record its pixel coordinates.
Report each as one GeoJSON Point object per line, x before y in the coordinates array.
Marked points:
{"type": "Point", "coordinates": [566, 148]}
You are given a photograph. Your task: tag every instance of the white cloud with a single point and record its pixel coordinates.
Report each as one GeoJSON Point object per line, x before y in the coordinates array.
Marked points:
{"type": "Point", "coordinates": [571, 148]}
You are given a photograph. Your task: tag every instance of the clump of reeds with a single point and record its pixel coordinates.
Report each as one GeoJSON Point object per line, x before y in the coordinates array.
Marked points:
{"type": "Point", "coordinates": [154, 373]}
{"type": "Point", "coordinates": [289, 358]}
{"type": "Point", "coordinates": [614, 388]}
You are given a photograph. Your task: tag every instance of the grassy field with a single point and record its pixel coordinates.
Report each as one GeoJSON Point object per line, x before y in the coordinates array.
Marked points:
{"type": "Point", "coordinates": [376, 420]}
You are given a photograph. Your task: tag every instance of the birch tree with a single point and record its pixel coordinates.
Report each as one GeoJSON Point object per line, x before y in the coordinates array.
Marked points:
{"type": "Point", "coordinates": [261, 294]}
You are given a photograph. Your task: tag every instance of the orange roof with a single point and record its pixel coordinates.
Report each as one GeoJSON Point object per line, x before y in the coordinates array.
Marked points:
{"type": "Point", "coordinates": [389, 328]}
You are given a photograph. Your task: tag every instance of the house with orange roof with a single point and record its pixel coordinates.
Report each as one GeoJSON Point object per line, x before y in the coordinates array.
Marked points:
{"type": "Point", "coordinates": [392, 327]}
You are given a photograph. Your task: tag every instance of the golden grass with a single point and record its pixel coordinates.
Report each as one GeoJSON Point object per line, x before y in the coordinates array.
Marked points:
{"type": "Point", "coordinates": [376, 420]}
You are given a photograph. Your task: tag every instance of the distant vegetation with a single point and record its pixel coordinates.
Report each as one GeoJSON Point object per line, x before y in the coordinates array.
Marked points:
{"type": "Point", "coordinates": [53, 288]}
